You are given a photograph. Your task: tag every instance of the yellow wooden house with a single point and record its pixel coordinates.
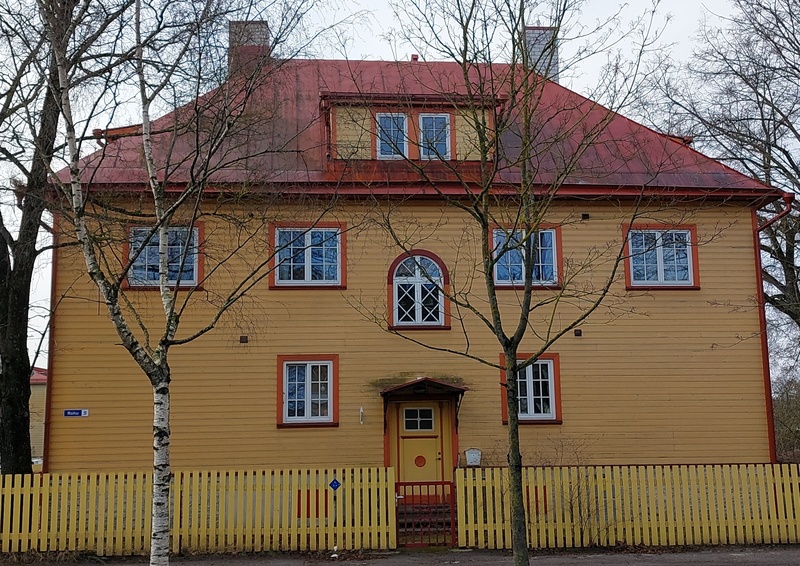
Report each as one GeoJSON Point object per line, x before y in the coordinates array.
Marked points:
{"type": "Point", "coordinates": [37, 403]}
{"type": "Point", "coordinates": [349, 352]}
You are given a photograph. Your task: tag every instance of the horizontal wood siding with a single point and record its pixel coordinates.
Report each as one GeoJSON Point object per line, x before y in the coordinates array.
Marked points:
{"type": "Point", "coordinates": [467, 144]}
{"type": "Point", "coordinates": [353, 132]}
{"type": "Point", "coordinates": [670, 376]}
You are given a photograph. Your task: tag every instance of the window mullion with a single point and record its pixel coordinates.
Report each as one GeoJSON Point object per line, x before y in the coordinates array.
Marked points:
{"type": "Point", "coordinates": [307, 256]}
{"type": "Point", "coordinates": [418, 302]}
{"type": "Point", "coordinates": [307, 395]}
{"type": "Point", "coordinates": [660, 256]}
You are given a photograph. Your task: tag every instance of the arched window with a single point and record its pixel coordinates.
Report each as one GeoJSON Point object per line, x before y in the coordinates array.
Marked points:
{"type": "Point", "coordinates": [416, 285]}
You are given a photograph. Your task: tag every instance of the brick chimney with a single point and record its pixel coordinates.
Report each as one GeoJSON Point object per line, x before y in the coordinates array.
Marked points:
{"type": "Point", "coordinates": [248, 43]}
{"type": "Point", "coordinates": [542, 44]}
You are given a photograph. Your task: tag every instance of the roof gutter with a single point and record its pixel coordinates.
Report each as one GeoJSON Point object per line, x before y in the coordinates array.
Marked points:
{"type": "Point", "coordinates": [788, 199]}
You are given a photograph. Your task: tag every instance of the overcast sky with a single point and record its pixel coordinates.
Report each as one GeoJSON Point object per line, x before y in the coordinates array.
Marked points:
{"type": "Point", "coordinates": [367, 39]}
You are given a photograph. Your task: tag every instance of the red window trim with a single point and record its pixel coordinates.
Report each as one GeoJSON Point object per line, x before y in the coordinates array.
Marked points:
{"type": "Point", "coordinates": [201, 258]}
{"type": "Point", "coordinates": [275, 226]}
{"type": "Point", "coordinates": [691, 228]}
{"type": "Point", "coordinates": [556, 390]}
{"type": "Point", "coordinates": [334, 360]}
{"type": "Point", "coordinates": [390, 292]}
{"type": "Point", "coordinates": [559, 258]}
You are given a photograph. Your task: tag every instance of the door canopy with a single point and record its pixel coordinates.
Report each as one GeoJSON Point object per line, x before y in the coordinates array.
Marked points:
{"type": "Point", "coordinates": [422, 388]}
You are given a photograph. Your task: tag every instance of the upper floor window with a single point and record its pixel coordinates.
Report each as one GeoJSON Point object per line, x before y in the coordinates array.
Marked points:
{"type": "Point", "coordinates": [509, 250]}
{"type": "Point", "coordinates": [182, 257]}
{"type": "Point", "coordinates": [434, 133]}
{"type": "Point", "coordinates": [308, 256]}
{"type": "Point", "coordinates": [661, 258]}
{"type": "Point", "coordinates": [392, 136]}
{"type": "Point", "coordinates": [417, 284]}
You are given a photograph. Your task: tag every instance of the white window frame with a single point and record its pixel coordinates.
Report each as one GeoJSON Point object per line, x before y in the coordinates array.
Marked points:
{"type": "Point", "coordinates": [404, 153]}
{"type": "Point", "coordinates": [498, 253]}
{"type": "Point", "coordinates": [307, 398]}
{"type": "Point", "coordinates": [423, 147]}
{"type": "Point", "coordinates": [660, 262]}
{"type": "Point", "coordinates": [419, 280]}
{"type": "Point", "coordinates": [191, 259]}
{"type": "Point", "coordinates": [529, 370]}
{"type": "Point", "coordinates": [308, 250]}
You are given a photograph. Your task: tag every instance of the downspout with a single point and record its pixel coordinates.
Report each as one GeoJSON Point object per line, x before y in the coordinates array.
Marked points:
{"type": "Point", "coordinates": [788, 199]}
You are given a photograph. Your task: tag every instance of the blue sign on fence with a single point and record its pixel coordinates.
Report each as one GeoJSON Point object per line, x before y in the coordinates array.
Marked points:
{"type": "Point", "coordinates": [76, 412]}
{"type": "Point", "coordinates": [335, 484]}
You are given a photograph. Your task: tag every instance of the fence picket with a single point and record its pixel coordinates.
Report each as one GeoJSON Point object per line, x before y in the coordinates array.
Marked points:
{"type": "Point", "coordinates": [784, 502]}
{"type": "Point", "coordinates": [774, 521]}
{"type": "Point", "coordinates": [793, 492]}
{"type": "Point", "coordinates": [682, 519]}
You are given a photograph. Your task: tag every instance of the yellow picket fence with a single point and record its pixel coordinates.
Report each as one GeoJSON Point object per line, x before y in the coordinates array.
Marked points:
{"type": "Point", "coordinates": [352, 508]}
{"type": "Point", "coordinates": [211, 511]}
{"type": "Point", "coordinates": [635, 505]}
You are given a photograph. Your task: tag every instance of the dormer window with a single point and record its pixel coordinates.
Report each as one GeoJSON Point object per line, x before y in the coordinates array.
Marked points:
{"type": "Point", "coordinates": [392, 136]}
{"type": "Point", "coordinates": [394, 128]}
{"type": "Point", "coordinates": [434, 134]}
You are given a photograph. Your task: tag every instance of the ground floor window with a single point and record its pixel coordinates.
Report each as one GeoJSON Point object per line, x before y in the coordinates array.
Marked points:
{"type": "Point", "coordinates": [538, 390]}
{"type": "Point", "coordinates": [307, 390]}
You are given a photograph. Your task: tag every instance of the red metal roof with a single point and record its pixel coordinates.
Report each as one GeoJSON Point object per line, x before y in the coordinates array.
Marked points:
{"type": "Point", "coordinates": [287, 113]}
{"type": "Point", "coordinates": [39, 376]}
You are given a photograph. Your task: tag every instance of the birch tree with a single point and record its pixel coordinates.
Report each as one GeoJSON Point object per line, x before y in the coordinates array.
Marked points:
{"type": "Point", "coordinates": [164, 55]}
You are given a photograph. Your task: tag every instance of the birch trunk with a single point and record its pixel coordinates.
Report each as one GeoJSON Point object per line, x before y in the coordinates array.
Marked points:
{"type": "Point", "coordinates": [162, 475]}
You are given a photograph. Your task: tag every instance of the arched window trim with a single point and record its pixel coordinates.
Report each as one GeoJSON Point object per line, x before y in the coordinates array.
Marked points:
{"type": "Point", "coordinates": [444, 322]}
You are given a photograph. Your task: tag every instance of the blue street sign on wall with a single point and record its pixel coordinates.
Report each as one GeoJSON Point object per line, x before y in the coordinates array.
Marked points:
{"type": "Point", "coordinates": [76, 412]}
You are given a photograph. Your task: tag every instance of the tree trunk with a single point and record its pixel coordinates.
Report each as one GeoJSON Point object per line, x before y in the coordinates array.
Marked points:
{"type": "Point", "coordinates": [15, 437]}
{"type": "Point", "coordinates": [519, 531]}
{"type": "Point", "coordinates": [162, 474]}
{"type": "Point", "coordinates": [15, 388]}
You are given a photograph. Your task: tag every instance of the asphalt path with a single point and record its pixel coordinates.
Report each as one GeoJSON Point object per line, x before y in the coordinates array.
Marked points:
{"type": "Point", "coordinates": [723, 555]}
